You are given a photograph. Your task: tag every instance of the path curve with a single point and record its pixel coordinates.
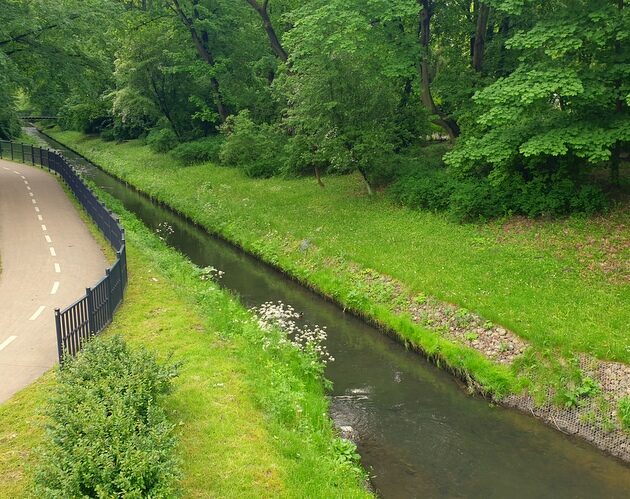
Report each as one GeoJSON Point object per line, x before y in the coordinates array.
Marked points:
{"type": "Point", "coordinates": [48, 258]}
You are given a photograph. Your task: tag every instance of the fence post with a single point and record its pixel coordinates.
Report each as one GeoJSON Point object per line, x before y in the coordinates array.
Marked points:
{"type": "Point", "coordinates": [11, 151]}
{"type": "Point", "coordinates": [108, 286]}
{"type": "Point", "coordinates": [32, 155]}
{"type": "Point", "coordinates": [59, 335]}
{"type": "Point", "coordinates": [90, 307]}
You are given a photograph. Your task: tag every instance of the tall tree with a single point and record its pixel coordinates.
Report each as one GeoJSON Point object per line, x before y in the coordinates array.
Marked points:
{"type": "Point", "coordinates": [424, 34]}
{"type": "Point", "coordinates": [566, 104]}
{"type": "Point", "coordinates": [193, 17]}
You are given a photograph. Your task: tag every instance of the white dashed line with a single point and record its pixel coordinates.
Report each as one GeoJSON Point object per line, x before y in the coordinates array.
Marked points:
{"type": "Point", "coordinates": [37, 313]}
{"type": "Point", "coordinates": [40, 218]}
{"type": "Point", "coordinates": [28, 187]}
{"type": "Point", "coordinates": [31, 194]}
{"type": "Point", "coordinates": [8, 341]}
{"type": "Point", "coordinates": [17, 173]}
{"type": "Point", "coordinates": [44, 228]}
{"type": "Point", "coordinates": [48, 239]}
{"type": "Point", "coordinates": [23, 177]}
{"type": "Point", "coordinates": [55, 287]}
{"type": "Point", "coordinates": [37, 209]}
{"type": "Point", "coordinates": [57, 268]}
{"type": "Point", "coordinates": [7, 169]}
{"type": "Point", "coordinates": [34, 201]}
{"type": "Point", "coordinates": [52, 251]}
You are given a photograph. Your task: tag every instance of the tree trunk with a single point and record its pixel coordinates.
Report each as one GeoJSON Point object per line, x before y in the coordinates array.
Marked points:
{"type": "Point", "coordinates": [263, 12]}
{"type": "Point", "coordinates": [318, 176]}
{"type": "Point", "coordinates": [480, 36]}
{"type": "Point", "coordinates": [162, 104]}
{"type": "Point", "coordinates": [614, 166]}
{"type": "Point", "coordinates": [504, 31]}
{"type": "Point", "coordinates": [366, 182]}
{"type": "Point", "coordinates": [424, 28]}
{"type": "Point", "coordinates": [619, 105]}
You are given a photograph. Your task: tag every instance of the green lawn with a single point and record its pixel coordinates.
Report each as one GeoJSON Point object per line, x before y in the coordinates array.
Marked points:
{"type": "Point", "coordinates": [251, 424]}
{"type": "Point", "coordinates": [562, 284]}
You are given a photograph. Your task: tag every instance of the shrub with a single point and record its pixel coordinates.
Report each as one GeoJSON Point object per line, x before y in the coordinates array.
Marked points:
{"type": "Point", "coordinates": [108, 135]}
{"type": "Point", "coordinates": [108, 435]}
{"type": "Point", "coordinates": [473, 199]}
{"type": "Point", "coordinates": [257, 148]}
{"type": "Point", "coordinates": [427, 190]}
{"type": "Point", "coordinates": [162, 140]}
{"type": "Point", "coordinates": [199, 151]}
{"type": "Point", "coordinates": [552, 192]}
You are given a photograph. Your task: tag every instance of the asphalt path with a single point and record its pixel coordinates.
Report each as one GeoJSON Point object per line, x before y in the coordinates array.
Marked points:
{"type": "Point", "coordinates": [48, 258]}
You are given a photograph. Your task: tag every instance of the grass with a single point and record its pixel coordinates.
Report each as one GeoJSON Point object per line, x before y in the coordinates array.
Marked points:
{"type": "Point", "coordinates": [561, 285]}
{"type": "Point", "coordinates": [251, 423]}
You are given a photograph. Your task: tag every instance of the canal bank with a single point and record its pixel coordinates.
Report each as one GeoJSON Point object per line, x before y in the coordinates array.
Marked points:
{"type": "Point", "coordinates": [382, 429]}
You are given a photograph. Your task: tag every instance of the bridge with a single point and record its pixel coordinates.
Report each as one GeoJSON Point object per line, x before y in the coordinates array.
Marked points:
{"type": "Point", "coordinates": [38, 118]}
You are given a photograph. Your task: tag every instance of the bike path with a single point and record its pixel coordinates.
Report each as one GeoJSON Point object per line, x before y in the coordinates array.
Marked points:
{"type": "Point", "coordinates": [48, 257]}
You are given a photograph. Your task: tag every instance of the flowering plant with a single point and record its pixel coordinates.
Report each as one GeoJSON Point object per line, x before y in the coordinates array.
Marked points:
{"type": "Point", "coordinates": [310, 340]}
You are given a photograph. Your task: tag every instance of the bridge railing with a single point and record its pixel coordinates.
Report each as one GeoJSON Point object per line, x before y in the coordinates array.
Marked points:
{"type": "Point", "coordinates": [89, 315]}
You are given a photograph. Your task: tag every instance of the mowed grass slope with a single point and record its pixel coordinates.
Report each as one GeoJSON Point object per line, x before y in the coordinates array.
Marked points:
{"type": "Point", "coordinates": [563, 284]}
{"type": "Point", "coordinates": [250, 423]}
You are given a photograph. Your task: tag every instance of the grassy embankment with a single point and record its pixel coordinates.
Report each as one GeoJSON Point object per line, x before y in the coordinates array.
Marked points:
{"type": "Point", "coordinates": [561, 285]}
{"type": "Point", "coordinates": [250, 423]}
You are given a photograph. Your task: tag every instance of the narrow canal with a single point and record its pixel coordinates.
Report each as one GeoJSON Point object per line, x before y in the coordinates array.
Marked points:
{"type": "Point", "coordinates": [419, 433]}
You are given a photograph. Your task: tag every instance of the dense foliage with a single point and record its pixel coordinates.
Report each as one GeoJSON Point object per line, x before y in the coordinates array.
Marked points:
{"type": "Point", "coordinates": [532, 96]}
{"type": "Point", "coordinates": [108, 434]}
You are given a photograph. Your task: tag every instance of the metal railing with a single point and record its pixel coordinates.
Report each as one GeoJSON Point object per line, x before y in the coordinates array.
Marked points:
{"type": "Point", "coordinates": [89, 315]}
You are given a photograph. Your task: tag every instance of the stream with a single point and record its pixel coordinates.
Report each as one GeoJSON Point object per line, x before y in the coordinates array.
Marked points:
{"type": "Point", "coordinates": [418, 432]}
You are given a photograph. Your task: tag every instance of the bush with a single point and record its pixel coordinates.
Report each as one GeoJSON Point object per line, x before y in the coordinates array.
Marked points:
{"type": "Point", "coordinates": [474, 199]}
{"type": "Point", "coordinates": [108, 435]}
{"type": "Point", "coordinates": [470, 197]}
{"type": "Point", "coordinates": [199, 151]}
{"type": "Point", "coordinates": [108, 135]}
{"type": "Point", "coordinates": [257, 148]}
{"type": "Point", "coordinates": [427, 190]}
{"type": "Point", "coordinates": [162, 140]}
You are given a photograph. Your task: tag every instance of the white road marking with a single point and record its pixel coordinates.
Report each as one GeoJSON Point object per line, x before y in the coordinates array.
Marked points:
{"type": "Point", "coordinates": [37, 209]}
{"type": "Point", "coordinates": [31, 194]}
{"type": "Point", "coordinates": [44, 228]}
{"type": "Point", "coordinates": [55, 287]}
{"type": "Point", "coordinates": [39, 217]}
{"type": "Point", "coordinates": [6, 168]}
{"type": "Point", "coordinates": [52, 251]}
{"type": "Point", "coordinates": [17, 173]}
{"type": "Point", "coordinates": [57, 268]}
{"type": "Point", "coordinates": [37, 313]}
{"type": "Point", "coordinates": [26, 182]}
{"type": "Point", "coordinates": [48, 239]}
{"type": "Point", "coordinates": [8, 341]}
{"type": "Point", "coordinates": [28, 187]}
{"type": "Point", "coordinates": [23, 177]}
{"type": "Point", "coordinates": [34, 201]}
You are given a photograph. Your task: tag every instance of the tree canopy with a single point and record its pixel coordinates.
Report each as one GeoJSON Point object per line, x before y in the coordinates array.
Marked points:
{"type": "Point", "coordinates": [532, 96]}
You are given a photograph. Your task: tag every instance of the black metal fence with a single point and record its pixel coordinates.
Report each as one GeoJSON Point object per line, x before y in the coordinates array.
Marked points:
{"type": "Point", "coordinates": [89, 315]}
